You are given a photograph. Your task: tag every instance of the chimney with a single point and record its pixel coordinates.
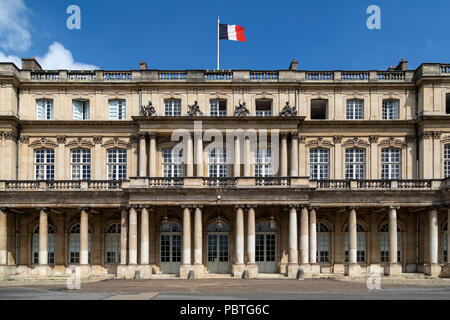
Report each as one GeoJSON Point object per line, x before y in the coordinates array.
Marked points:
{"type": "Point", "coordinates": [143, 65]}
{"type": "Point", "coordinates": [402, 66]}
{"type": "Point", "coordinates": [30, 64]}
{"type": "Point", "coordinates": [293, 65]}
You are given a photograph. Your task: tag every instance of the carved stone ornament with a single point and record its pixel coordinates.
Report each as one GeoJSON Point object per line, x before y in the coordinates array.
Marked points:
{"type": "Point", "coordinates": [241, 110]}
{"type": "Point", "coordinates": [61, 140]}
{"type": "Point", "coordinates": [194, 110]}
{"type": "Point", "coordinates": [148, 110]}
{"type": "Point", "coordinates": [98, 139]}
{"type": "Point", "coordinates": [25, 140]}
{"type": "Point", "coordinates": [288, 111]}
{"type": "Point", "coordinates": [9, 135]}
{"type": "Point", "coordinates": [337, 139]}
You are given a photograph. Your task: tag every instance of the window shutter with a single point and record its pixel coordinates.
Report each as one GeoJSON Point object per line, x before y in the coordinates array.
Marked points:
{"type": "Point", "coordinates": [77, 110]}
{"type": "Point", "coordinates": [40, 110]}
{"type": "Point", "coordinates": [113, 109]}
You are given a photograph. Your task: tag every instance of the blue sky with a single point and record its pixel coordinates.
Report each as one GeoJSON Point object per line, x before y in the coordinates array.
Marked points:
{"type": "Point", "coordinates": [175, 34]}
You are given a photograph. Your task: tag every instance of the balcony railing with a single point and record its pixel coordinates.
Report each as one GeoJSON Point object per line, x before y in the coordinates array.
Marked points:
{"type": "Point", "coordinates": [218, 75]}
{"type": "Point", "coordinates": [45, 75]}
{"type": "Point", "coordinates": [172, 75]}
{"type": "Point", "coordinates": [263, 75]}
{"type": "Point", "coordinates": [81, 75]}
{"type": "Point", "coordinates": [391, 75]}
{"type": "Point", "coordinates": [117, 75]}
{"type": "Point", "coordinates": [273, 181]}
{"type": "Point", "coordinates": [319, 76]}
{"type": "Point", "coordinates": [165, 182]}
{"type": "Point", "coordinates": [333, 184]}
{"type": "Point", "coordinates": [220, 182]}
{"type": "Point", "coordinates": [355, 76]}
{"type": "Point", "coordinates": [445, 68]}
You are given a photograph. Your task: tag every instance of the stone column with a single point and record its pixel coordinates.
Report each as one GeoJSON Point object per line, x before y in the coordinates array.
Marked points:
{"type": "Point", "coordinates": [132, 242]}
{"type": "Point", "coordinates": [302, 170]}
{"type": "Point", "coordinates": [433, 268]}
{"type": "Point", "coordinates": [283, 156]}
{"type": "Point", "coordinates": [292, 267]}
{"type": "Point", "coordinates": [248, 158]}
{"type": "Point", "coordinates": [3, 238]}
{"type": "Point", "coordinates": [251, 236]}
{"type": "Point", "coordinates": [294, 154]}
{"type": "Point", "coordinates": [199, 154]}
{"type": "Point", "coordinates": [198, 233]}
{"type": "Point", "coordinates": [186, 236]}
{"type": "Point", "coordinates": [313, 241]}
{"type": "Point", "coordinates": [144, 237]}
{"type": "Point", "coordinates": [238, 267]}
{"type": "Point", "coordinates": [304, 236]}
{"type": "Point", "coordinates": [352, 268]}
{"type": "Point", "coordinates": [123, 236]}
{"type": "Point", "coordinates": [142, 156]}
{"type": "Point", "coordinates": [448, 237]}
{"type": "Point", "coordinates": [237, 156]}
{"type": "Point", "coordinates": [84, 237]}
{"type": "Point", "coordinates": [153, 164]}
{"type": "Point", "coordinates": [189, 157]}
{"type": "Point", "coordinates": [43, 237]}
{"type": "Point", "coordinates": [393, 268]}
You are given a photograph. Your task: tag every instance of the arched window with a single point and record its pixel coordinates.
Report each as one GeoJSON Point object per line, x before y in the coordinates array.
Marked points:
{"type": "Point", "coordinates": [44, 164]}
{"type": "Point", "coordinates": [263, 163]}
{"type": "Point", "coordinates": [319, 164]}
{"type": "Point", "coordinates": [172, 165]}
{"type": "Point", "coordinates": [172, 107]}
{"type": "Point", "coordinates": [117, 164]}
{"type": "Point", "coordinates": [445, 229]}
{"type": "Point", "coordinates": [323, 242]}
{"type": "Point", "coordinates": [390, 109]}
{"type": "Point", "coordinates": [80, 164]}
{"type": "Point", "coordinates": [50, 244]}
{"type": "Point", "coordinates": [355, 164]}
{"type": "Point", "coordinates": [217, 163]}
{"type": "Point", "coordinates": [355, 109]}
{"type": "Point", "coordinates": [112, 243]}
{"type": "Point", "coordinates": [447, 160]}
{"type": "Point", "coordinates": [360, 243]}
{"type": "Point", "coordinates": [390, 164]}
{"type": "Point", "coordinates": [74, 244]}
{"type": "Point", "coordinates": [384, 243]}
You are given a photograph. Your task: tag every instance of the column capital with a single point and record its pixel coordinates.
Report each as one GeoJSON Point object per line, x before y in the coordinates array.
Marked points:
{"type": "Point", "coordinates": [250, 206]}
{"type": "Point", "coordinates": [4, 210]}
{"type": "Point", "coordinates": [39, 209]}
{"type": "Point", "coordinates": [142, 135]}
{"type": "Point", "coordinates": [187, 206]}
{"type": "Point", "coordinates": [145, 206]}
{"type": "Point", "coordinates": [294, 135]}
{"type": "Point", "coordinates": [350, 208]}
{"type": "Point", "coordinates": [294, 206]}
{"type": "Point", "coordinates": [153, 135]}
{"type": "Point", "coordinates": [315, 208]}
{"type": "Point", "coordinates": [197, 206]}
{"type": "Point", "coordinates": [239, 206]}
{"type": "Point", "coordinates": [394, 207]}
{"type": "Point", "coordinates": [284, 135]}
{"type": "Point", "coordinates": [87, 209]}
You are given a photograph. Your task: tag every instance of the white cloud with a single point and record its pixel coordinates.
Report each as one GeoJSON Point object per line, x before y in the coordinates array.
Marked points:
{"type": "Point", "coordinates": [16, 60]}
{"type": "Point", "coordinates": [14, 33]}
{"type": "Point", "coordinates": [59, 57]}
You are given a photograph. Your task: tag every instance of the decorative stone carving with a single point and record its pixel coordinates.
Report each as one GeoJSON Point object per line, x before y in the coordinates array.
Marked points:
{"type": "Point", "coordinates": [392, 142]}
{"type": "Point", "coordinates": [148, 110]}
{"type": "Point", "coordinates": [78, 143]}
{"type": "Point", "coordinates": [356, 142]}
{"type": "Point", "coordinates": [194, 110]}
{"type": "Point", "coordinates": [302, 139]}
{"type": "Point", "coordinates": [288, 111]}
{"type": "Point", "coordinates": [61, 139]}
{"type": "Point", "coordinates": [373, 139]}
{"type": "Point", "coordinates": [437, 135]}
{"type": "Point", "coordinates": [116, 142]}
{"type": "Point", "coordinates": [43, 143]}
{"type": "Point", "coordinates": [241, 110]}
{"type": "Point", "coordinates": [426, 134]}
{"type": "Point", "coordinates": [9, 136]}
{"type": "Point", "coordinates": [320, 142]}
{"type": "Point", "coordinates": [337, 139]}
{"type": "Point", "coordinates": [24, 140]}
{"type": "Point", "coordinates": [98, 139]}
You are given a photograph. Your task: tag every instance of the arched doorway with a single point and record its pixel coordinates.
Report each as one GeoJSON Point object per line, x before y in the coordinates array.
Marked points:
{"type": "Point", "coordinates": [384, 243]}
{"type": "Point", "coordinates": [74, 244]}
{"type": "Point", "coordinates": [265, 246]}
{"type": "Point", "coordinates": [50, 245]}
{"type": "Point", "coordinates": [218, 248]}
{"type": "Point", "coordinates": [112, 244]}
{"type": "Point", "coordinates": [170, 248]}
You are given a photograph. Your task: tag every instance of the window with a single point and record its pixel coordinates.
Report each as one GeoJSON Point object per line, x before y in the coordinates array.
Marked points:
{"type": "Point", "coordinates": [447, 160]}
{"type": "Point", "coordinates": [360, 244]}
{"type": "Point", "coordinates": [117, 164]}
{"type": "Point", "coordinates": [355, 109]}
{"type": "Point", "coordinates": [80, 164]}
{"type": "Point", "coordinates": [117, 109]}
{"type": "Point", "coordinates": [355, 164]}
{"type": "Point", "coordinates": [172, 107]}
{"type": "Point", "coordinates": [319, 109]}
{"type": "Point", "coordinates": [323, 243]}
{"type": "Point", "coordinates": [44, 109]}
{"type": "Point", "coordinates": [384, 243]}
{"type": "Point", "coordinates": [319, 164]}
{"type": "Point", "coordinates": [112, 244]}
{"type": "Point", "coordinates": [44, 164]}
{"type": "Point", "coordinates": [171, 242]}
{"type": "Point", "coordinates": [390, 164]}
{"type": "Point", "coordinates": [265, 241]}
{"type": "Point", "coordinates": [263, 163]}
{"type": "Point", "coordinates": [172, 163]}
{"type": "Point", "coordinates": [74, 244]}
{"type": "Point", "coordinates": [50, 244]}
{"type": "Point", "coordinates": [81, 110]}
{"type": "Point", "coordinates": [390, 109]}
{"type": "Point", "coordinates": [218, 108]}
{"type": "Point", "coordinates": [263, 108]}
{"type": "Point", "coordinates": [447, 103]}
{"type": "Point", "coordinates": [217, 163]}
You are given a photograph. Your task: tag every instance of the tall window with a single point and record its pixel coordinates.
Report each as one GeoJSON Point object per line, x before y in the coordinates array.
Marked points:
{"type": "Point", "coordinates": [80, 164]}
{"type": "Point", "coordinates": [74, 244]}
{"type": "Point", "coordinates": [112, 244]}
{"type": "Point", "coordinates": [117, 164]}
{"type": "Point", "coordinates": [323, 242]}
{"type": "Point", "coordinates": [117, 109]}
{"type": "Point", "coordinates": [384, 243]}
{"type": "Point", "coordinates": [172, 107]}
{"type": "Point", "coordinates": [447, 160]}
{"type": "Point", "coordinates": [44, 109]}
{"type": "Point", "coordinates": [319, 164]}
{"type": "Point", "coordinates": [50, 244]}
{"type": "Point", "coordinates": [355, 164]}
{"type": "Point", "coordinates": [172, 163]}
{"type": "Point", "coordinates": [218, 108]}
{"type": "Point", "coordinates": [263, 107]}
{"type": "Point", "coordinates": [390, 164]}
{"type": "Point", "coordinates": [355, 109]}
{"type": "Point", "coordinates": [360, 244]}
{"type": "Point", "coordinates": [44, 164]}
{"type": "Point", "coordinates": [81, 110]}
{"type": "Point", "coordinates": [217, 163]}
{"type": "Point", "coordinates": [390, 109]}
{"type": "Point", "coordinates": [319, 109]}
{"type": "Point", "coordinates": [263, 163]}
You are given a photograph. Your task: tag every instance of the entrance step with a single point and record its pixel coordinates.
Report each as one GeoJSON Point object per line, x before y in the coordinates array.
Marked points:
{"type": "Point", "coordinates": [271, 276]}
{"type": "Point", "coordinates": [218, 276]}
{"type": "Point", "coordinates": [164, 276]}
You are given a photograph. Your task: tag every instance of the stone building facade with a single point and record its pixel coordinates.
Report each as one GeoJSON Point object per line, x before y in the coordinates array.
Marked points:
{"type": "Point", "coordinates": [126, 172]}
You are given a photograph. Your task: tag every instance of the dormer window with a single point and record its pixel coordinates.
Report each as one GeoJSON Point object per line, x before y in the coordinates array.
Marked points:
{"type": "Point", "coordinates": [319, 109]}
{"type": "Point", "coordinates": [263, 108]}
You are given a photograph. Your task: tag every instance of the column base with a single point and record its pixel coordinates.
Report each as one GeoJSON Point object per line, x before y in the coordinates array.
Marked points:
{"type": "Point", "coordinates": [122, 271]}
{"type": "Point", "coordinates": [145, 271]}
{"type": "Point", "coordinates": [184, 270]}
{"type": "Point", "coordinates": [6, 271]}
{"type": "Point", "coordinates": [199, 271]}
{"type": "Point", "coordinates": [84, 271]}
{"type": "Point", "coordinates": [338, 268]}
{"type": "Point", "coordinates": [315, 269]}
{"type": "Point", "coordinates": [292, 270]}
{"type": "Point", "coordinates": [252, 270]}
{"type": "Point", "coordinates": [352, 270]}
{"type": "Point", "coordinates": [307, 272]}
{"type": "Point", "coordinates": [392, 269]}
{"type": "Point", "coordinates": [237, 270]}
{"type": "Point", "coordinates": [42, 272]}
{"type": "Point", "coordinates": [127, 272]}
{"type": "Point", "coordinates": [446, 271]}
{"type": "Point", "coordinates": [432, 270]}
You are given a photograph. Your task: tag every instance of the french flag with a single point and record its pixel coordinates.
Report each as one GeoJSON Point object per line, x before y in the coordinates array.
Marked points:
{"type": "Point", "coordinates": [231, 32]}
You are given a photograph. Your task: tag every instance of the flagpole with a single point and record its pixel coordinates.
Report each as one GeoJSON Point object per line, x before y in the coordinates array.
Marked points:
{"type": "Point", "coordinates": [218, 43]}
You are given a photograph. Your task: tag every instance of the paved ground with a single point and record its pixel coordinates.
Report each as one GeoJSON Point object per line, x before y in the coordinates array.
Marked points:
{"type": "Point", "coordinates": [223, 289]}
